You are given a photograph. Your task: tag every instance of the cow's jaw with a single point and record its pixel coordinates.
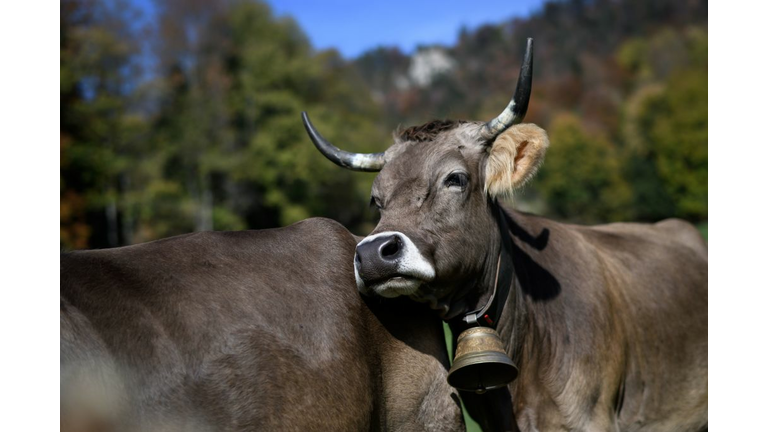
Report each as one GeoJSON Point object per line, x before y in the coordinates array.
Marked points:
{"type": "Point", "coordinates": [391, 288]}
{"type": "Point", "coordinates": [397, 286]}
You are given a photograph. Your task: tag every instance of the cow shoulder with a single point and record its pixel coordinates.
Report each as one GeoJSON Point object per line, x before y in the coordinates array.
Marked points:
{"type": "Point", "coordinates": [684, 233]}
{"type": "Point", "coordinates": [325, 233]}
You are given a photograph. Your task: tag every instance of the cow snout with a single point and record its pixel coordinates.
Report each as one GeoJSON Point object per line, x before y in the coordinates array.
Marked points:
{"type": "Point", "coordinates": [389, 264]}
{"type": "Point", "coordinates": [377, 259]}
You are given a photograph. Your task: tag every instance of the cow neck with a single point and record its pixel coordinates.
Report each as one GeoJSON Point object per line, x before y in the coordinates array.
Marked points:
{"type": "Point", "coordinates": [490, 308]}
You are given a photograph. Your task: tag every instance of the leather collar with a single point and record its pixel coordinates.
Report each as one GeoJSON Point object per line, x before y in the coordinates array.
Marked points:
{"type": "Point", "coordinates": [489, 314]}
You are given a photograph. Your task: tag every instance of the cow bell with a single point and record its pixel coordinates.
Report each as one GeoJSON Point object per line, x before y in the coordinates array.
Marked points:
{"type": "Point", "coordinates": [481, 363]}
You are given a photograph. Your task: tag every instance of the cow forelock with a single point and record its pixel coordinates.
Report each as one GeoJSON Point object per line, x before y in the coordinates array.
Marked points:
{"type": "Point", "coordinates": [428, 131]}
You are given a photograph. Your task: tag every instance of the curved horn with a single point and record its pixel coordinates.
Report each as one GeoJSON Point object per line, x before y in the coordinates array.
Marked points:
{"type": "Point", "coordinates": [515, 111]}
{"type": "Point", "coordinates": [344, 159]}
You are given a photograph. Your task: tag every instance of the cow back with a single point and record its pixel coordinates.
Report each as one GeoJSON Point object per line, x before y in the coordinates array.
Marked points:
{"type": "Point", "coordinates": [252, 330]}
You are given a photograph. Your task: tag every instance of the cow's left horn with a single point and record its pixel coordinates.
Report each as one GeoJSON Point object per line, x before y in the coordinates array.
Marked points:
{"type": "Point", "coordinates": [515, 111]}
{"type": "Point", "coordinates": [345, 159]}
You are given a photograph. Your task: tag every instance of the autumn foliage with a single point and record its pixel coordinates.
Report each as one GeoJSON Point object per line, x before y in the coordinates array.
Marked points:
{"type": "Point", "coordinates": [189, 120]}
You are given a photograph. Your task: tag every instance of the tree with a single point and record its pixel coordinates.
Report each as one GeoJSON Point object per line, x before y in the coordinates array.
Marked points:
{"type": "Point", "coordinates": [97, 69]}
{"type": "Point", "coordinates": [666, 126]}
{"type": "Point", "coordinates": [234, 153]}
{"type": "Point", "coordinates": [675, 124]}
{"type": "Point", "coordinates": [581, 176]}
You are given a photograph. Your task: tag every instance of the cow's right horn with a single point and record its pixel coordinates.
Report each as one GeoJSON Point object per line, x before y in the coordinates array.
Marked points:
{"type": "Point", "coordinates": [345, 159]}
{"type": "Point", "coordinates": [518, 106]}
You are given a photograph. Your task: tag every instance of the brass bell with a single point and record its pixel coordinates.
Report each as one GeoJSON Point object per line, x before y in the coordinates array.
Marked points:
{"type": "Point", "coordinates": [481, 363]}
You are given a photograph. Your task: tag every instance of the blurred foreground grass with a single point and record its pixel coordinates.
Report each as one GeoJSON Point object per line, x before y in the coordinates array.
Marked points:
{"type": "Point", "coordinates": [703, 229]}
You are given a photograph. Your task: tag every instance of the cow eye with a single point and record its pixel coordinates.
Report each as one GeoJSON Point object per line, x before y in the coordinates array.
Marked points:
{"type": "Point", "coordinates": [458, 179]}
{"type": "Point", "coordinates": [375, 203]}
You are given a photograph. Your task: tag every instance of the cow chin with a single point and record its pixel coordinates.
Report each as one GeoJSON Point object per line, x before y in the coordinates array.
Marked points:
{"type": "Point", "coordinates": [393, 287]}
{"type": "Point", "coordinates": [397, 286]}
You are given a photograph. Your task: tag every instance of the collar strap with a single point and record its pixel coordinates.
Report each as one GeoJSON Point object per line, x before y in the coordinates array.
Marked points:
{"type": "Point", "coordinates": [488, 315]}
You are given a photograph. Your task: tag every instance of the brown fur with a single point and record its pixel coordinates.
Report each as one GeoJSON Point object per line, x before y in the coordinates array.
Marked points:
{"type": "Point", "coordinates": [608, 324]}
{"type": "Point", "coordinates": [611, 327]}
{"type": "Point", "coordinates": [514, 158]}
{"type": "Point", "coordinates": [427, 131]}
{"type": "Point", "coordinates": [244, 331]}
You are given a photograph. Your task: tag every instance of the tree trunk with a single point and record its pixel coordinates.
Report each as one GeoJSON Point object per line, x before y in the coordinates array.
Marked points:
{"type": "Point", "coordinates": [111, 214]}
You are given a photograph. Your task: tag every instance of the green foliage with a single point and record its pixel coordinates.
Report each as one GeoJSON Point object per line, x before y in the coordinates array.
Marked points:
{"type": "Point", "coordinates": [97, 125]}
{"type": "Point", "coordinates": [677, 128]}
{"type": "Point", "coordinates": [471, 424]}
{"type": "Point", "coordinates": [627, 72]}
{"type": "Point", "coordinates": [704, 230]}
{"type": "Point", "coordinates": [582, 174]}
{"type": "Point", "coordinates": [214, 139]}
{"type": "Point", "coordinates": [666, 129]}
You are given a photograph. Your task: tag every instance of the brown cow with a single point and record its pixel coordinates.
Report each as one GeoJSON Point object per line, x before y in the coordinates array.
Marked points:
{"type": "Point", "coordinates": [607, 324]}
{"type": "Point", "coordinates": [244, 331]}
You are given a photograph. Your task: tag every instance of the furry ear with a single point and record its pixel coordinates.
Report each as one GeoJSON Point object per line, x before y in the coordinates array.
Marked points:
{"type": "Point", "coordinates": [514, 158]}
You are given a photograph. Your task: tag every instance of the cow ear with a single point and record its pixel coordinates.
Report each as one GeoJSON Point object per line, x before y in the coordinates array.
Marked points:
{"type": "Point", "coordinates": [514, 158]}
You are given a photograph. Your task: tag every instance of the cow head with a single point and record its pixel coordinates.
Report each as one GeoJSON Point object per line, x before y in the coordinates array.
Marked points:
{"type": "Point", "coordinates": [437, 236]}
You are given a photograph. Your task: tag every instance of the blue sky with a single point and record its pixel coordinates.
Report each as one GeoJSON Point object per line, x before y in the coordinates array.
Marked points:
{"type": "Point", "coordinates": [356, 26]}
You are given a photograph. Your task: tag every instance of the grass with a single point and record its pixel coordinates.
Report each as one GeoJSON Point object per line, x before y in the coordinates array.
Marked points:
{"type": "Point", "coordinates": [703, 228]}
{"type": "Point", "coordinates": [472, 425]}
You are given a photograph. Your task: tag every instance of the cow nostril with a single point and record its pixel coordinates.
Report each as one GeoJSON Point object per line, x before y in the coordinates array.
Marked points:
{"type": "Point", "coordinates": [391, 248]}
{"type": "Point", "coordinates": [358, 260]}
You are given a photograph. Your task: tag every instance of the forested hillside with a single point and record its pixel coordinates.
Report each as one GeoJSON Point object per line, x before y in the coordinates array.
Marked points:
{"type": "Point", "coordinates": [213, 140]}
{"type": "Point", "coordinates": [621, 87]}
{"type": "Point", "coordinates": [189, 120]}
